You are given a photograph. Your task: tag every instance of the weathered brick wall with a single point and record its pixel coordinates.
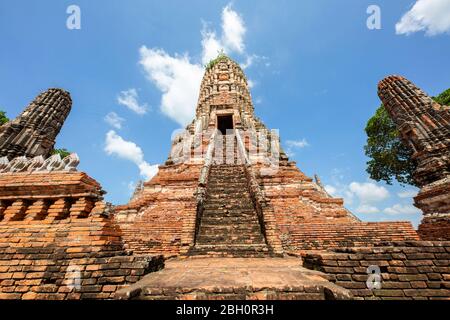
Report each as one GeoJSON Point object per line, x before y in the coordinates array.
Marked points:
{"type": "Point", "coordinates": [296, 199]}
{"type": "Point", "coordinates": [162, 218]}
{"type": "Point", "coordinates": [409, 270]}
{"type": "Point", "coordinates": [39, 260]}
{"type": "Point", "coordinates": [435, 228]}
{"type": "Point", "coordinates": [306, 217]}
{"type": "Point", "coordinates": [319, 236]}
{"type": "Point", "coordinates": [58, 241]}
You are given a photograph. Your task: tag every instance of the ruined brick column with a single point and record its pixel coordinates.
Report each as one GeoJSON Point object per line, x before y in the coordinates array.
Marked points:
{"type": "Point", "coordinates": [424, 126]}
{"type": "Point", "coordinates": [33, 132]}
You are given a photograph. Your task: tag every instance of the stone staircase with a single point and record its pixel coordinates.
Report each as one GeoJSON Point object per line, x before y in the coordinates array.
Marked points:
{"type": "Point", "coordinates": [229, 225]}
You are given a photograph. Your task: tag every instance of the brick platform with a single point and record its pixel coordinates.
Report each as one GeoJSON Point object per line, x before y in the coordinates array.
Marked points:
{"type": "Point", "coordinates": [234, 278]}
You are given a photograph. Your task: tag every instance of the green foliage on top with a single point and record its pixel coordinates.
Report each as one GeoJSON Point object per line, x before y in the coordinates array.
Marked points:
{"type": "Point", "coordinates": [443, 98]}
{"type": "Point", "coordinates": [62, 152]}
{"type": "Point", "coordinates": [390, 159]}
{"type": "Point", "coordinates": [213, 62]}
{"type": "Point", "coordinates": [3, 118]}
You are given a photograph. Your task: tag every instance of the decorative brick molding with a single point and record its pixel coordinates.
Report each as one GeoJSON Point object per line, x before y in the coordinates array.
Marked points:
{"type": "Point", "coordinates": [409, 270]}
{"type": "Point", "coordinates": [59, 240]}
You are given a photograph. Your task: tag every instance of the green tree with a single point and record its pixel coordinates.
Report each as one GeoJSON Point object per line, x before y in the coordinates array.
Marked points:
{"type": "Point", "coordinates": [62, 152]}
{"type": "Point", "coordinates": [3, 118]}
{"type": "Point", "coordinates": [389, 158]}
{"type": "Point", "coordinates": [443, 98]}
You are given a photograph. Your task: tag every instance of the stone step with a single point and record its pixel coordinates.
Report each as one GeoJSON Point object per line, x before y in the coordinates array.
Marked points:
{"type": "Point", "coordinates": [261, 248]}
{"type": "Point", "coordinates": [229, 239]}
{"type": "Point", "coordinates": [218, 207]}
{"type": "Point", "coordinates": [213, 221]}
{"type": "Point", "coordinates": [230, 202]}
{"type": "Point", "coordinates": [230, 197]}
{"type": "Point", "coordinates": [230, 213]}
{"type": "Point", "coordinates": [228, 173]}
{"type": "Point", "coordinates": [229, 225]}
{"type": "Point", "coordinates": [227, 181]}
{"type": "Point", "coordinates": [226, 189]}
{"type": "Point", "coordinates": [232, 229]}
{"type": "Point", "coordinates": [231, 221]}
{"type": "Point", "coordinates": [223, 182]}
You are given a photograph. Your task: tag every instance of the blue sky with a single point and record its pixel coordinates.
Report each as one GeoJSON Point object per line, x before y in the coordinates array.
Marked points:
{"type": "Point", "coordinates": [314, 66]}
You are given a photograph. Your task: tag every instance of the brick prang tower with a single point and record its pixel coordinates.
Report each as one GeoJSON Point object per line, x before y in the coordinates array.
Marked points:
{"type": "Point", "coordinates": [34, 131]}
{"type": "Point", "coordinates": [424, 126]}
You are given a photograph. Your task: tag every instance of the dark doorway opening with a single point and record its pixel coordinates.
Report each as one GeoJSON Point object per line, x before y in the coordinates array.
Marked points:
{"type": "Point", "coordinates": [224, 123]}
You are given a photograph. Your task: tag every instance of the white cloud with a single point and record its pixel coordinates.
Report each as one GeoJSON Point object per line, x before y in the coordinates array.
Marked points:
{"type": "Point", "coordinates": [401, 209]}
{"type": "Point", "coordinates": [431, 16]}
{"type": "Point", "coordinates": [210, 44]}
{"type": "Point", "coordinates": [297, 143]}
{"type": "Point", "coordinates": [367, 209]}
{"type": "Point", "coordinates": [131, 187]}
{"type": "Point", "coordinates": [114, 120]}
{"type": "Point", "coordinates": [129, 98]}
{"type": "Point", "coordinates": [232, 39]}
{"type": "Point", "coordinates": [251, 83]}
{"type": "Point", "coordinates": [407, 194]}
{"type": "Point", "coordinates": [177, 78]}
{"type": "Point", "coordinates": [340, 191]}
{"type": "Point", "coordinates": [331, 190]}
{"type": "Point", "coordinates": [233, 30]}
{"type": "Point", "coordinates": [368, 192]}
{"type": "Point", "coordinates": [127, 150]}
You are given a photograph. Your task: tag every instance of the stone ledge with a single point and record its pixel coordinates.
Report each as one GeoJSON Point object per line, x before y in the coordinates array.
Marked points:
{"type": "Point", "coordinates": [234, 278]}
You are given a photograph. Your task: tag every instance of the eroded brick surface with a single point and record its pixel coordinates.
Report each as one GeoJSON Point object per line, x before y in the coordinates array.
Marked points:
{"type": "Point", "coordinates": [34, 131]}
{"type": "Point", "coordinates": [58, 242]}
{"type": "Point", "coordinates": [409, 270]}
{"type": "Point", "coordinates": [424, 126]}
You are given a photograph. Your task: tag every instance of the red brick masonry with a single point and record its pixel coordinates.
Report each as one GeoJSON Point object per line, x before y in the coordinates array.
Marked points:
{"type": "Point", "coordinates": [409, 270]}
{"type": "Point", "coordinates": [53, 225]}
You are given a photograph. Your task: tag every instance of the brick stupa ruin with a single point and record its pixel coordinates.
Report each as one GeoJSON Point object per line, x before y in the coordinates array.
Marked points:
{"type": "Point", "coordinates": [424, 126]}
{"type": "Point", "coordinates": [236, 192]}
{"type": "Point", "coordinates": [227, 216]}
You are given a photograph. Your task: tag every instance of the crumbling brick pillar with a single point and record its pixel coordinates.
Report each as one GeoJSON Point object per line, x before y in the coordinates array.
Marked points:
{"type": "Point", "coordinates": [424, 126]}
{"type": "Point", "coordinates": [34, 131]}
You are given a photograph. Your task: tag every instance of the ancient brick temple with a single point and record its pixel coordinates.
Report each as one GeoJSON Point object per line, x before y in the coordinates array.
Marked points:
{"type": "Point", "coordinates": [227, 216]}
{"type": "Point", "coordinates": [228, 187]}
